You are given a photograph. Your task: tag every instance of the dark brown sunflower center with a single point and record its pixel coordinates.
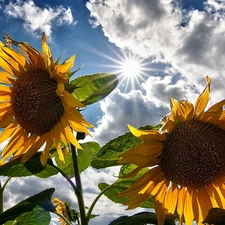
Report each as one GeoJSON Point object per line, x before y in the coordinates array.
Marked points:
{"type": "Point", "coordinates": [36, 105]}
{"type": "Point", "coordinates": [194, 154]}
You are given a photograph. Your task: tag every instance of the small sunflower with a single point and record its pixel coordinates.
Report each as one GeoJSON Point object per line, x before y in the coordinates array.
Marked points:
{"type": "Point", "coordinates": [186, 158]}
{"type": "Point", "coordinates": [65, 209]}
{"type": "Point", "coordinates": [35, 108]}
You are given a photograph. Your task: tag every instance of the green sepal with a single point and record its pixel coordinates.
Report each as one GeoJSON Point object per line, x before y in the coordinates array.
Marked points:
{"type": "Point", "coordinates": [56, 62]}
{"type": "Point", "coordinates": [70, 74]}
{"type": "Point", "coordinates": [92, 88]}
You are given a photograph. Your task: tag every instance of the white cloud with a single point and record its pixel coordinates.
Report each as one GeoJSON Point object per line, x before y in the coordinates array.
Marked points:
{"type": "Point", "coordinates": [36, 19]}
{"type": "Point", "coordinates": [159, 90]}
{"type": "Point", "coordinates": [191, 42]}
{"type": "Point", "coordinates": [120, 109]}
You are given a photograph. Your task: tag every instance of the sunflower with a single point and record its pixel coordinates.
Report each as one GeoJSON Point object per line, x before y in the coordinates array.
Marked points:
{"type": "Point", "coordinates": [65, 209]}
{"type": "Point", "coordinates": [35, 108]}
{"type": "Point", "coordinates": [186, 161]}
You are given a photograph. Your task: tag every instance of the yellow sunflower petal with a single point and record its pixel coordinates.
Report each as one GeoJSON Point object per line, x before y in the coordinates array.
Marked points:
{"type": "Point", "coordinates": [13, 145]}
{"type": "Point", "coordinates": [219, 186]}
{"type": "Point", "coordinates": [45, 153]}
{"type": "Point", "coordinates": [60, 89]}
{"type": "Point", "coordinates": [162, 191]}
{"type": "Point", "coordinates": [28, 143]}
{"type": "Point", "coordinates": [56, 133]}
{"type": "Point", "coordinates": [9, 64]}
{"type": "Point", "coordinates": [215, 196]}
{"type": "Point", "coordinates": [203, 203]}
{"type": "Point", "coordinates": [168, 127]}
{"type": "Point", "coordinates": [7, 132]}
{"type": "Point", "coordinates": [8, 68]}
{"type": "Point", "coordinates": [144, 182]}
{"type": "Point", "coordinates": [6, 78]}
{"type": "Point", "coordinates": [61, 70]}
{"type": "Point", "coordinates": [71, 101]}
{"type": "Point", "coordinates": [5, 90]}
{"type": "Point", "coordinates": [182, 110]}
{"type": "Point", "coordinates": [180, 201]}
{"type": "Point", "coordinates": [5, 98]}
{"type": "Point", "coordinates": [76, 120]}
{"type": "Point", "coordinates": [143, 155]}
{"type": "Point", "coordinates": [61, 125]}
{"type": "Point", "coordinates": [47, 54]}
{"type": "Point", "coordinates": [147, 135]}
{"type": "Point", "coordinates": [138, 185]}
{"type": "Point", "coordinates": [160, 212]}
{"type": "Point", "coordinates": [70, 137]}
{"type": "Point", "coordinates": [202, 100]}
{"type": "Point", "coordinates": [6, 118]}
{"type": "Point", "coordinates": [146, 149]}
{"type": "Point", "coordinates": [171, 198]}
{"type": "Point", "coordinates": [188, 211]}
{"type": "Point", "coordinates": [32, 54]}
{"type": "Point", "coordinates": [65, 67]}
{"type": "Point", "coordinates": [4, 106]}
{"type": "Point", "coordinates": [17, 57]}
{"type": "Point", "coordinates": [35, 147]}
{"type": "Point", "coordinates": [137, 199]}
{"type": "Point", "coordinates": [79, 127]}
{"type": "Point", "coordinates": [214, 113]}
{"type": "Point", "coordinates": [57, 201]}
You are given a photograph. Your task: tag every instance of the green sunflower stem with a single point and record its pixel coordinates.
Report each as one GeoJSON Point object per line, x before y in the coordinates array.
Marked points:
{"type": "Point", "coordinates": [63, 217]}
{"type": "Point", "coordinates": [95, 201]}
{"type": "Point", "coordinates": [79, 191]}
{"type": "Point", "coordinates": [2, 188]}
{"type": "Point", "coordinates": [67, 178]}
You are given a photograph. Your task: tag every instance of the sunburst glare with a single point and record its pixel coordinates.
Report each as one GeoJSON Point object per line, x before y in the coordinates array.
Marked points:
{"type": "Point", "coordinates": [130, 66]}
{"type": "Point", "coordinates": [131, 69]}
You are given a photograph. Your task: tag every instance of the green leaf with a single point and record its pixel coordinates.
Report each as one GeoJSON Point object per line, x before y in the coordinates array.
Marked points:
{"type": "Point", "coordinates": [142, 218]}
{"type": "Point", "coordinates": [33, 166]}
{"type": "Point", "coordinates": [36, 217]}
{"type": "Point", "coordinates": [113, 192]}
{"type": "Point", "coordinates": [84, 158]}
{"type": "Point", "coordinates": [92, 88]}
{"type": "Point", "coordinates": [29, 208]}
{"type": "Point", "coordinates": [108, 154]}
{"type": "Point", "coordinates": [66, 167]}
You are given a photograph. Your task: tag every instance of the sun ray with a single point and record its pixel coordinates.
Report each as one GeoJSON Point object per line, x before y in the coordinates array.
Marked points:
{"type": "Point", "coordinates": [131, 69]}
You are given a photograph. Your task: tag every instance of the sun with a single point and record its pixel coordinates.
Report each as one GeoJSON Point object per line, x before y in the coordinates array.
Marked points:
{"type": "Point", "coordinates": [131, 66]}
{"type": "Point", "coordinates": [131, 69]}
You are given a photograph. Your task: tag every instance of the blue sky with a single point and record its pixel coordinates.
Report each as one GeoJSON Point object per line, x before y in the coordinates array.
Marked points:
{"type": "Point", "coordinates": [178, 42]}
